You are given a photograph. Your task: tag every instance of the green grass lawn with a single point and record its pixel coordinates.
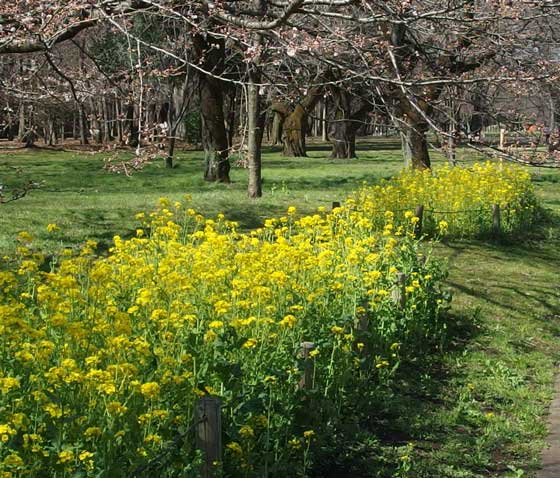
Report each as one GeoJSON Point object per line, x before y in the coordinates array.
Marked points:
{"type": "Point", "coordinates": [89, 203]}
{"type": "Point", "coordinates": [476, 411]}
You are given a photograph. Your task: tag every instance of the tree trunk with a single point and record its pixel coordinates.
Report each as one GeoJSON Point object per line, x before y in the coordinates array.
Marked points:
{"type": "Point", "coordinates": [21, 127]}
{"type": "Point", "coordinates": [131, 126]}
{"type": "Point", "coordinates": [107, 137]}
{"type": "Point", "coordinates": [344, 143]}
{"type": "Point", "coordinates": [294, 133]}
{"type": "Point", "coordinates": [407, 152]}
{"type": "Point", "coordinates": [295, 125]}
{"type": "Point", "coordinates": [324, 129]}
{"type": "Point", "coordinates": [82, 124]}
{"type": "Point", "coordinates": [172, 125]}
{"type": "Point", "coordinates": [418, 145]}
{"type": "Point", "coordinates": [281, 111]}
{"type": "Point", "coordinates": [231, 117]}
{"type": "Point", "coordinates": [214, 135]}
{"type": "Point", "coordinates": [255, 124]}
{"type": "Point", "coordinates": [342, 130]}
{"type": "Point", "coordinates": [119, 121]}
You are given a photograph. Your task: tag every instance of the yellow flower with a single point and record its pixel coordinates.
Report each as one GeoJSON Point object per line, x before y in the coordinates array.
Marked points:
{"type": "Point", "coordinates": [52, 228]}
{"type": "Point", "coordinates": [65, 456]}
{"type": "Point", "coordinates": [91, 432]}
{"type": "Point", "coordinates": [235, 447]}
{"type": "Point", "coordinates": [150, 390]}
{"type": "Point", "coordinates": [116, 408]}
{"type": "Point", "coordinates": [85, 455]}
{"type": "Point", "coordinates": [335, 329]}
{"type": "Point", "coordinates": [288, 321]}
{"type": "Point", "coordinates": [270, 379]}
{"type": "Point", "coordinates": [13, 459]}
{"type": "Point", "coordinates": [250, 344]}
{"type": "Point", "coordinates": [308, 434]}
{"type": "Point", "coordinates": [246, 431]}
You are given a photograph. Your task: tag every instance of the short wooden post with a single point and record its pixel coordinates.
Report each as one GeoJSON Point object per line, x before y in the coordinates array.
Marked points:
{"type": "Point", "coordinates": [208, 420]}
{"type": "Point", "coordinates": [398, 294]}
{"type": "Point", "coordinates": [306, 382]}
{"type": "Point", "coordinates": [496, 220]}
{"type": "Point", "coordinates": [335, 204]}
{"type": "Point", "coordinates": [419, 213]}
{"type": "Point", "coordinates": [502, 138]}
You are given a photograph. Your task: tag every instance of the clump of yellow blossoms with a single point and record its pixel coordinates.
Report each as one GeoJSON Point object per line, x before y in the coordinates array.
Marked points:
{"type": "Point", "coordinates": [457, 201]}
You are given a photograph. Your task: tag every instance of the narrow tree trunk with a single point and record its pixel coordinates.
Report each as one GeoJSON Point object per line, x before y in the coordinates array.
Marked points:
{"type": "Point", "coordinates": [231, 117]}
{"type": "Point", "coordinates": [324, 132]}
{"type": "Point", "coordinates": [82, 124]}
{"type": "Point", "coordinates": [256, 124]}
{"type": "Point", "coordinates": [171, 131]}
{"type": "Point", "coordinates": [131, 126]}
{"type": "Point", "coordinates": [106, 128]}
{"type": "Point", "coordinates": [277, 127]}
{"type": "Point", "coordinates": [119, 121]}
{"type": "Point", "coordinates": [21, 127]}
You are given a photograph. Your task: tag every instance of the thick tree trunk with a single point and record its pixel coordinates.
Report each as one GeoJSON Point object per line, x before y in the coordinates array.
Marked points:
{"type": "Point", "coordinates": [214, 135]}
{"type": "Point", "coordinates": [295, 125]}
{"type": "Point", "coordinates": [343, 131]}
{"type": "Point", "coordinates": [344, 142]}
{"type": "Point", "coordinates": [294, 133]}
{"type": "Point", "coordinates": [420, 156]}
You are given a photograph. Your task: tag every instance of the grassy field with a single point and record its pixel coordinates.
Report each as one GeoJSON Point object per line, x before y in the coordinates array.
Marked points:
{"type": "Point", "coordinates": [477, 411]}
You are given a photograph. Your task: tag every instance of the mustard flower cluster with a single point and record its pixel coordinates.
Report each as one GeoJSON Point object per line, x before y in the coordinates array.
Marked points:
{"type": "Point", "coordinates": [104, 358]}
{"type": "Point", "coordinates": [457, 201]}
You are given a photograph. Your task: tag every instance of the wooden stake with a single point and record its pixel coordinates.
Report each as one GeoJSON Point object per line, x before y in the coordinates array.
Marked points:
{"type": "Point", "coordinates": [306, 382]}
{"type": "Point", "coordinates": [496, 220]}
{"type": "Point", "coordinates": [208, 418]}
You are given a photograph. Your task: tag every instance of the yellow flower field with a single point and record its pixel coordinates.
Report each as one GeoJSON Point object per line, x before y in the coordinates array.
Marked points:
{"type": "Point", "coordinates": [104, 358]}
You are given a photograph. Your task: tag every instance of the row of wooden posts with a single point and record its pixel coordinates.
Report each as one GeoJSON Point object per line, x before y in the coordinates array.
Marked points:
{"type": "Point", "coordinates": [208, 418]}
